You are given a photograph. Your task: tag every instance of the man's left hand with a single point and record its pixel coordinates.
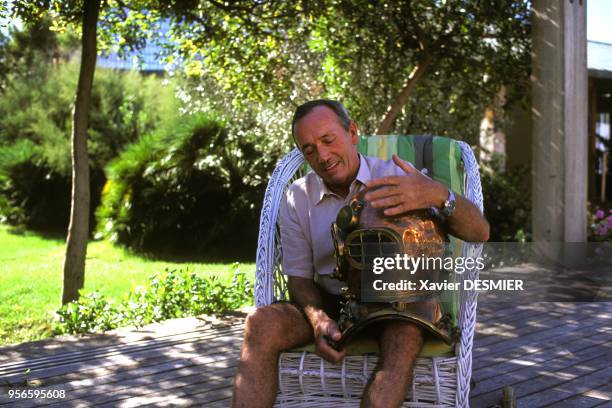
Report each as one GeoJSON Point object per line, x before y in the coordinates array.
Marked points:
{"type": "Point", "coordinates": [398, 194]}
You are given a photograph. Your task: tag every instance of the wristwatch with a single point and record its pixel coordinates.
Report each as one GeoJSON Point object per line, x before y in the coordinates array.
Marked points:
{"type": "Point", "coordinates": [449, 205]}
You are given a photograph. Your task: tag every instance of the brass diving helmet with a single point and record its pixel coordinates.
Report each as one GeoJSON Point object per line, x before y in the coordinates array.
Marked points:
{"type": "Point", "coordinates": [362, 235]}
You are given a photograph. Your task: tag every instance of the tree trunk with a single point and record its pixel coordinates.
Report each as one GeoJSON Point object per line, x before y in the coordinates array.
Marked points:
{"type": "Point", "coordinates": [78, 230]}
{"type": "Point", "coordinates": [400, 100]}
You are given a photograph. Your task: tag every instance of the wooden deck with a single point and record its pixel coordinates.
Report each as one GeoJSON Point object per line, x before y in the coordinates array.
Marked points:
{"type": "Point", "coordinates": [553, 354]}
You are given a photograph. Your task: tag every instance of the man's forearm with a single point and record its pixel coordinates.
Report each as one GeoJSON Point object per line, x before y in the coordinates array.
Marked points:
{"type": "Point", "coordinates": [398, 194]}
{"type": "Point", "coordinates": [467, 222]}
{"type": "Point", "coordinates": [305, 293]}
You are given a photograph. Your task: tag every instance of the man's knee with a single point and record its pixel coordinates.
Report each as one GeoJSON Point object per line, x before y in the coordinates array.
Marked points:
{"type": "Point", "coordinates": [259, 325]}
{"type": "Point", "coordinates": [272, 326]}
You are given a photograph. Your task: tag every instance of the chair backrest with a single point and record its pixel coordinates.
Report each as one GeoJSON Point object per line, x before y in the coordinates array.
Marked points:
{"type": "Point", "coordinates": [441, 156]}
{"type": "Point", "coordinates": [449, 161]}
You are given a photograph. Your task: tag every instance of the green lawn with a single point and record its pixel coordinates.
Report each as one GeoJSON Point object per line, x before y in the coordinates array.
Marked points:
{"type": "Point", "coordinates": [31, 279]}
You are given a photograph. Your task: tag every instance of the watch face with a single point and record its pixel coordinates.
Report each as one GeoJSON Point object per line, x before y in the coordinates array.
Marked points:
{"type": "Point", "coordinates": [449, 204]}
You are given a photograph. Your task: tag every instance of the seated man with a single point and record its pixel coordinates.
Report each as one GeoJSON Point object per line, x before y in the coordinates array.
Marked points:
{"type": "Point", "coordinates": [327, 137]}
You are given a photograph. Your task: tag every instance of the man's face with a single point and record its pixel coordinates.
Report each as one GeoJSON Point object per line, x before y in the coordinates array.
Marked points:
{"type": "Point", "coordinates": [330, 149]}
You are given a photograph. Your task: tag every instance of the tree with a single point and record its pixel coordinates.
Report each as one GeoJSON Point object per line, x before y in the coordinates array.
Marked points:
{"type": "Point", "coordinates": [86, 15]}
{"type": "Point", "coordinates": [78, 229]}
{"type": "Point", "coordinates": [373, 54]}
{"type": "Point", "coordinates": [463, 40]}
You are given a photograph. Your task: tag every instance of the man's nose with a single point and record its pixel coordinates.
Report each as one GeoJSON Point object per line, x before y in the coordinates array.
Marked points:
{"type": "Point", "coordinates": [324, 155]}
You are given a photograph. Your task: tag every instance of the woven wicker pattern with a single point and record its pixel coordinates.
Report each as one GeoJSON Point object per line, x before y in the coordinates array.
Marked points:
{"type": "Point", "coordinates": [468, 299]}
{"type": "Point", "coordinates": [269, 253]}
{"type": "Point", "coordinates": [307, 380]}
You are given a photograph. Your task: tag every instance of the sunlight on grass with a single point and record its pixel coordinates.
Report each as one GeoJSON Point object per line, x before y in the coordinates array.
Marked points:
{"type": "Point", "coordinates": [31, 284]}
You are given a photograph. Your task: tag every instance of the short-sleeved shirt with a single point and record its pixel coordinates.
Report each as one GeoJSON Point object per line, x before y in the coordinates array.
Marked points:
{"type": "Point", "coordinates": [307, 212]}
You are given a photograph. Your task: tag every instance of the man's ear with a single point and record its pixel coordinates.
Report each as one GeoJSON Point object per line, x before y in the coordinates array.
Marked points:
{"type": "Point", "coordinates": [354, 132]}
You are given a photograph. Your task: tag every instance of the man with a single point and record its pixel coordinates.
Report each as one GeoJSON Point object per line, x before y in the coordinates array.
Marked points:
{"type": "Point", "coordinates": [327, 137]}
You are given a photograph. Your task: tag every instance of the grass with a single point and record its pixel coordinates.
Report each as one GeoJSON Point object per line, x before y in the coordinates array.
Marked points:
{"type": "Point", "coordinates": [31, 283]}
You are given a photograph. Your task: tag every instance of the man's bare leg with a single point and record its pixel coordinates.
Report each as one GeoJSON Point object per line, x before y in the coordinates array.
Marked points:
{"type": "Point", "coordinates": [400, 343]}
{"type": "Point", "coordinates": [268, 331]}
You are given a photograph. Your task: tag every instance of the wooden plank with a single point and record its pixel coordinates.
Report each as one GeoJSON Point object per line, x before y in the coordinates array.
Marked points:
{"type": "Point", "coordinates": [545, 381]}
{"type": "Point", "coordinates": [191, 398]}
{"type": "Point", "coordinates": [539, 325]}
{"type": "Point", "coordinates": [219, 359]}
{"type": "Point", "coordinates": [505, 311]}
{"type": "Point", "coordinates": [530, 344]}
{"type": "Point", "coordinates": [222, 403]}
{"type": "Point", "coordinates": [577, 401]}
{"type": "Point", "coordinates": [207, 398]}
{"type": "Point", "coordinates": [521, 358]}
{"type": "Point", "coordinates": [483, 361]}
{"type": "Point", "coordinates": [604, 393]}
{"type": "Point", "coordinates": [493, 326]}
{"type": "Point", "coordinates": [133, 335]}
{"type": "Point", "coordinates": [170, 359]}
{"type": "Point", "coordinates": [147, 387]}
{"type": "Point", "coordinates": [508, 310]}
{"type": "Point", "coordinates": [497, 308]}
{"type": "Point", "coordinates": [170, 392]}
{"type": "Point", "coordinates": [108, 368]}
{"type": "Point", "coordinates": [534, 371]}
{"type": "Point", "coordinates": [92, 386]}
{"type": "Point", "coordinates": [117, 348]}
{"type": "Point", "coordinates": [173, 364]}
{"type": "Point", "coordinates": [500, 359]}
{"type": "Point", "coordinates": [116, 357]}
{"type": "Point", "coordinates": [575, 342]}
{"type": "Point", "coordinates": [568, 389]}
{"type": "Point", "coordinates": [106, 354]}
{"type": "Point", "coordinates": [116, 395]}
{"type": "Point", "coordinates": [517, 315]}
{"type": "Point", "coordinates": [223, 361]}
{"type": "Point", "coordinates": [143, 385]}
{"type": "Point", "coordinates": [553, 335]}
{"type": "Point", "coordinates": [165, 365]}
{"type": "Point", "coordinates": [175, 358]}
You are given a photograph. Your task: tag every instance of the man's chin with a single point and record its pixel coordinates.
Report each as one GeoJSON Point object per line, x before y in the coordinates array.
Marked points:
{"type": "Point", "coordinates": [336, 182]}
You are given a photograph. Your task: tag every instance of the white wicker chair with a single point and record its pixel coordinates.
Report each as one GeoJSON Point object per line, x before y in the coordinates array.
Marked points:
{"type": "Point", "coordinates": [306, 380]}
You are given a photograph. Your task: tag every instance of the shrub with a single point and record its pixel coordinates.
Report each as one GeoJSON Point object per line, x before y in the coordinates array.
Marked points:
{"type": "Point", "coordinates": [91, 313]}
{"type": "Point", "coordinates": [36, 189]}
{"type": "Point", "coordinates": [172, 294]}
{"type": "Point", "coordinates": [190, 190]}
{"type": "Point", "coordinates": [507, 203]}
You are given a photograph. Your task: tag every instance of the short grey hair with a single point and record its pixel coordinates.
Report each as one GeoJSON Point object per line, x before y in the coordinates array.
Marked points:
{"type": "Point", "coordinates": [304, 109]}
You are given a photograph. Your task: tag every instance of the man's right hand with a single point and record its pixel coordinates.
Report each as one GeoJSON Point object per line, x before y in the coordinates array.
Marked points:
{"type": "Point", "coordinates": [324, 330]}
{"type": "Point", "coordinates": [306, 294]}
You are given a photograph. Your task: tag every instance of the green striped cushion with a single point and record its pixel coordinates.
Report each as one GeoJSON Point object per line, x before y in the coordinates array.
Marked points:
{"type": "Point", "coordinates": [447, 163]}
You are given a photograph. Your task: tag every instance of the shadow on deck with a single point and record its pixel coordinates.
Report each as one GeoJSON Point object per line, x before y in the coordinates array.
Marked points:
{"type": "Point", "coordinates": [551, 353]}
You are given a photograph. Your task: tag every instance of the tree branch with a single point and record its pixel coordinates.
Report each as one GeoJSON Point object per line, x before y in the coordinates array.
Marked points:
{"type": "Point", "coordinates": [400, 100]}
